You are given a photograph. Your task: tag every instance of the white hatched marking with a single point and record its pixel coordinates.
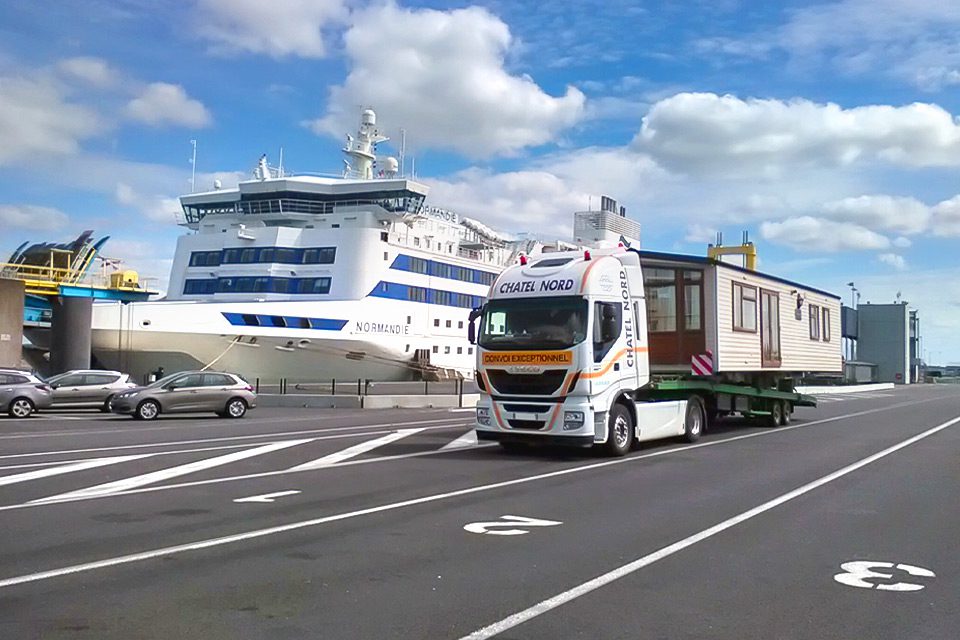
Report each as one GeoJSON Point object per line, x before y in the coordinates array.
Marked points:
{"type": "Point", "coordinates": [67, 468]}
{"type": "Point", "coordinates": [469, 439]}
{"type": "Point", "coordinates": [173, 472]}
{"type": "Point", "coordinates": [355, 450]}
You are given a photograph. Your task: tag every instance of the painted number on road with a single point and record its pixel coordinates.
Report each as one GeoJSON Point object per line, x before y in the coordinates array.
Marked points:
{"type": "Point", "coordinates": [508, 526]}
{"type": "Point", "coordinates": [864, 574]}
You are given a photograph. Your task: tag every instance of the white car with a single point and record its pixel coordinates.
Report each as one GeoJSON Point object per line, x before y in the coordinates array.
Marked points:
{"type": "Point", "coordinates": [88, 388]}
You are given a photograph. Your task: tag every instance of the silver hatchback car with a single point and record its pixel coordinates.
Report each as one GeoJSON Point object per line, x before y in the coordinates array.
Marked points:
{"type": "Point", "coordinates": [226, 394]}
{"type": "Point", "coordinates": [88, 388]}
{"type": "Point", "coordinates": [22, 393]}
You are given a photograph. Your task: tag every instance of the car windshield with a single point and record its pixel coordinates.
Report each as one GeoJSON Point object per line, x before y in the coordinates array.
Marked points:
{"type": "Point", "coordinates": [533, 323]}
{"type": "Point", "coordinates": [164, 380]}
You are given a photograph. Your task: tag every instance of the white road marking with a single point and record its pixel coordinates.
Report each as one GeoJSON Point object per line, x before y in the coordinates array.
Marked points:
{"type": "Point", "coordinates": [592, 585]}
{"type": "Point", "coordinates": [260, 533]}
{"type": "Point", "coordinates": [67, 468]}
{"type": "Point", "coordinates": [447, 425]}
{"type": "Point", "coordinates": [856, 574]}
{"type": "Point", "coordinates": [464, 410]}
{"type": "Point", "coordinates": [267, 497]}
{"type": "Point", "coordinates": [22, 435]}
{"type": "Point", "coordinates": [119, 486]}
{"type": "Point", "coordinates": [497, 527]}
{"type": "Point", "coordinates": [469, 439]}
{"type": "Point", "coordinates": [355, 450]}
{"type": "Point", "coordinates": [267, 474]}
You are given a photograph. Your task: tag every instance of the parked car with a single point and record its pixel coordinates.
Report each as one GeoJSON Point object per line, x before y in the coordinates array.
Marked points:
{"type": "Point", "coordinates": [88, 388]}
{"type": "Point", "coordinates": [226, 394]}
{"type": "Point", "coordinates": [22, 393]}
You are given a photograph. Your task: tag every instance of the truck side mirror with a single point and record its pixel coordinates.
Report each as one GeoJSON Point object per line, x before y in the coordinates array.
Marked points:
{"type": "Point", "coordinates": [471, 327]}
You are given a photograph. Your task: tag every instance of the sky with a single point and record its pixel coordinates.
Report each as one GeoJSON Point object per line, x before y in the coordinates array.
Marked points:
{"type": "Point", "coordinates": [826, 130]}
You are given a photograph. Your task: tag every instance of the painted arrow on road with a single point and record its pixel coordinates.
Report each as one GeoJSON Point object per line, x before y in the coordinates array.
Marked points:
{"type": "Point", "coordinates": [495, 528]}
{"type": "Point", "coordinates": [267, 497]}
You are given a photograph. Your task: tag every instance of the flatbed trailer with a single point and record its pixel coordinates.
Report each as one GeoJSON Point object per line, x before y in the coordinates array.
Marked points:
{"type": "Point", "coordinates": [774, 406]}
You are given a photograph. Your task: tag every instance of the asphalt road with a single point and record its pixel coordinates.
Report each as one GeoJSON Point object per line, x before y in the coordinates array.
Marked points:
{"type": "Point", "coordinates": [396, 524]}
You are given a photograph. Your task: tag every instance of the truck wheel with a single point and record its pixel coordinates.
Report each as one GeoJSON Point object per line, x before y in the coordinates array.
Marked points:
{"type": "Point", "coordinates": [786, 413]}
{"type": "Point", "coordinates": [619, 431]}
{"type": "Point", "coordinates": [693, 419]}
{"type": "Point", "coordinates": [775, 419]}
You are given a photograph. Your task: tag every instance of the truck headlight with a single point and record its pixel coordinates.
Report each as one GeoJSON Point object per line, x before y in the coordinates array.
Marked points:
{"type": "Point", "coordinates": [572, 420]}
{"type": "Point", "coordinates": [483, 416]}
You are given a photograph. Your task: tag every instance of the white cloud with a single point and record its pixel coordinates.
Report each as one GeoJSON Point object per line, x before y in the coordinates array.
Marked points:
{"type": "Point", "coordinates": [708, 133]}
{"type": "Point", "coordinates": [93, 71]}
{"type": "Point", "coordinates": [894, 260]}
{"type": "Point", "coordinates": [946, 217]}
{"type": "Point", "coordinates": [25, 216]}
{"type": "Point", "coordinates": [441, 76]}
{"type": "Point", "coordinates": [881, 212]}
{"type": "Point", "coordinates": [155, 207]}
{"type": "Point", "coordinates": [807, 233]}
{"type": "Point", "coordinates": [275, 27]}
{"type": "Point", "coordinates": [902, 243]}
{"type": "Point", "coordinates": [162, 103]}
{"type": "Point", "coordinates": [700, 234]}
{"type": "Point", "coordinates": [37, 120]}
{"type": "Point", "coordinates": [524, 201]}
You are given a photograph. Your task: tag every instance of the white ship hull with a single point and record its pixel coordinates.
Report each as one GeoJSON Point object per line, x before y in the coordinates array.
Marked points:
{"type": "Point", "coordinates": [378, 339]}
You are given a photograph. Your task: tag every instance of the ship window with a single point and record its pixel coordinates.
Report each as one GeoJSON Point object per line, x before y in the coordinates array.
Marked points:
{"type": "Point", "coordinates": [446, 349]}
{"type": "Point", "coordinates": [459, 350]}
{"type": "Point", "coordinates": [383, 236]}
{"type": "Point", "coordinates": [419, 265]}
{"type": "Point", "coordinates": [248, 255]}
{"type": "Point", "coordinates": [314, 285]}
{"type": "Point", "coordinates": [287, 255]}
{"type": "Point", "coordinates": [225, 285]}
{"type": "Point", "coordinates": [449, 324]}
{"type": "Point", "coordinates": [417, 294]}
{"type": "Point", "coordinates": [244, 285]}
{"type": "Point", "coordinates": [469, 350]}
{"type": "Point", "coordinates": [231, 256]}
{"type": "Point", "coordinates": [277, 321]}
{"type": "Point", "coordinates": [267, 253]}
{"type": "Point", "coordinates": [250, 319]}
{"type": "Point", "coordinates": [407, 349]}
{"type": "Point", "coordinates": [310, 256]}
{"type": "Point", "coordinates": [460, 324]}
{"type": "Point", "coordinates": [443, 297]}
{"type": "Point", "coordinates": [279, 285]}
{"type": "Point", "coordinates": [436, 322]}
{"type": "Point", "coordinates": [416, 241]}
{"type": "Point", "coordinates": [301, 323]}
{"type": "Point", "coordinates": [261, 285]}
{"type": "Point", "coordinates": [436, 349]}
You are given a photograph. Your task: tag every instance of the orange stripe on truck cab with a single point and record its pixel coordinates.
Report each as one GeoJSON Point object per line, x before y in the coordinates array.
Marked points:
{"type": "Point", "coordinates": [610, 363]}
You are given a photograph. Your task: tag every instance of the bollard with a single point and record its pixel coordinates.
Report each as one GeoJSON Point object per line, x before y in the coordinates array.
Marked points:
{"type": "Point", "coordinates": [359, 387]}
{"type": "Point", "coordinates": [333, 387]}
{"type": "Point", "coordinates": [256, 385]}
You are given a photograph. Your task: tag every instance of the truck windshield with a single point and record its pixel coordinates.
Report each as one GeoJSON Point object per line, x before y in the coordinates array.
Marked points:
{"type": "Point", "coordinates": [533, 323]}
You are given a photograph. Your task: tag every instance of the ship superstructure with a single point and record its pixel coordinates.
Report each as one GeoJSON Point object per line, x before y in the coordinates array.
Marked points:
{"type": "Point", "coordinates": [308, 277]}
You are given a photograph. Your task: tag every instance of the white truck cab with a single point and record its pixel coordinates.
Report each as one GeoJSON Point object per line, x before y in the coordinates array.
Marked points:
{"type": "Point", "coordinates": [562, 352]}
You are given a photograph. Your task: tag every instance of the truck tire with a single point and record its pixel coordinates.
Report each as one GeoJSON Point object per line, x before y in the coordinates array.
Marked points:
{"type": "Point", "coordinates": [693, 419]}
{"type": "Point", "coordinates": [786, 413]}
{"type": "Point", "coordinates": [619, 431]}
{"type": "Point", "coordinates": [775, 419]}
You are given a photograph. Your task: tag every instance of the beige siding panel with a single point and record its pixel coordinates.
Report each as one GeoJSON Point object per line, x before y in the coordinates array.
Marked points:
{"type": "Point", "coordinates": [739, 351]}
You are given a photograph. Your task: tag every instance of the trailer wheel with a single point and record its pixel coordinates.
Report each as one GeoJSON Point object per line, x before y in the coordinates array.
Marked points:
{"type": "Point", "coordinates": [775, 419]}
{"type": "Point", "coordinates": [786, 413]}
{"type": "Point", "coordinates": [693, 419]}
{"type": "Point", "coordinates": [619, 431]}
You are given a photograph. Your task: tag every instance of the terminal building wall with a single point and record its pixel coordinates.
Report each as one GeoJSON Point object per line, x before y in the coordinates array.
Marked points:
{"type": "Point", "coordinates": [11, 322]}
{"type": "Point", "coordinates": [885, 340]}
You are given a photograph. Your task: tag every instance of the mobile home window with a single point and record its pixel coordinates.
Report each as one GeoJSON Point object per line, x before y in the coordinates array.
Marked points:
{"type": "Point", "coordinates": [826, 325]}
{"type": "Point", "coordinates": [661, 292]}
{"type": "Point", "coordinates": [744, 307]}
{"type": "Point", "coordinates": [814, 311]}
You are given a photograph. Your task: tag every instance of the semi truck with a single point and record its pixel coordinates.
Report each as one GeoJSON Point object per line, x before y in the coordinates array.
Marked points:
{"type": "Point", "coordinates": [608, 346]}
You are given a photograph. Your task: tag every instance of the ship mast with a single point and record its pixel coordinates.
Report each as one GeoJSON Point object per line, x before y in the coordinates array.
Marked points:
{"type": "Point", "coordinates": [361, 151]}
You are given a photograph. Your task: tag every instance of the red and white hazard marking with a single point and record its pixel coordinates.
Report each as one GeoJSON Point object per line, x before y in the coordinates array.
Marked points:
{"type": "Point", "coordinates": [702, 364]}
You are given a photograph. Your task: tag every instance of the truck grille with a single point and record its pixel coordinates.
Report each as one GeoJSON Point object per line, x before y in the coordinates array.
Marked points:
{"type": "Point", "coordinates": [526, 424]}
{"type": "Point", "coordinates": [543, 384]}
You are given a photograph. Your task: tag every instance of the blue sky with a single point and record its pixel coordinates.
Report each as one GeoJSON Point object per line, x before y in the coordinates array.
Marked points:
{"type": "Point", "coordinates": [827, 130]}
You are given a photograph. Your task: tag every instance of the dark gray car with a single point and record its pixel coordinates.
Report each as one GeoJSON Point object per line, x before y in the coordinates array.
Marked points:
{"type": "Point", "coordinates": [226, 394]}
{"type": "Point", "coordinates": [22, 393]}
{"type": "Point", "coordinates": [88, 388]}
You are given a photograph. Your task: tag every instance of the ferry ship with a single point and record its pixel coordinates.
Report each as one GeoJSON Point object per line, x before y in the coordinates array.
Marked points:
{"type": "Point", "coordinates": [315, 278]}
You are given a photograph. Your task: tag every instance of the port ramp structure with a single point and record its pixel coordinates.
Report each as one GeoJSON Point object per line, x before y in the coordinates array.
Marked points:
{"type": "Point", "coordinates": [60, 283]}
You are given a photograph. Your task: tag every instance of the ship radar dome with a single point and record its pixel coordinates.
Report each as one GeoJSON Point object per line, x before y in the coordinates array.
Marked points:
{"type": "Point", "coordinates": [391, 166]}
{"type": "Point", "coordinates": [368, 117]}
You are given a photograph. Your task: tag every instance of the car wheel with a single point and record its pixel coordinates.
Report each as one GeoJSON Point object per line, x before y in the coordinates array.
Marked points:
{"type": "Point", "coordinates": [236, 408]}
{"type": "Point", "coordinates": [20, 408]}
{"type": "Point", "coordinates": [148, 410]}
{"type": "Point", "coordinates": [106, 408]}
{"type": "Point", "coordinates": [619, 431]}
{"type": "Point", "coordinates": [693, 419]}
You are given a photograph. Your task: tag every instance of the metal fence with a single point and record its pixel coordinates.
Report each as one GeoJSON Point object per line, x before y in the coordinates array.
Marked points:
{"type": "Point", "coordinates": [360, 387]}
